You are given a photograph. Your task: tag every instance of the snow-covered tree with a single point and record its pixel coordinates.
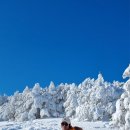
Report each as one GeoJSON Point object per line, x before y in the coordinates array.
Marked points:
{"type": "Point", "coordinates": [37, 97]}
{"type": "Point", "coordinates": [51, 88]}
{"type": "Point", "coordinates": [121, 118]}
{"type": "Point", "coordinates": [126, 72]}
{"type": "Point", "coordinates": [55, 100]}
{"type": "Point", "coordinates": [98, 100]}
{"type": "Point", "coordinates": [71, 101]}
{"type": "Point", "coordinates": [3, 99]}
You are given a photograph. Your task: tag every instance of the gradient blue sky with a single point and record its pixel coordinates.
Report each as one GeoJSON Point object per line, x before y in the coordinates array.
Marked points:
{"type": "Point", "coordinates": [62, 41]}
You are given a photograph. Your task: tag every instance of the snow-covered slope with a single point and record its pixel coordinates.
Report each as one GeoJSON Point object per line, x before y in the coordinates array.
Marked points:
{"type": "Point", "coordinates": [51, 124]}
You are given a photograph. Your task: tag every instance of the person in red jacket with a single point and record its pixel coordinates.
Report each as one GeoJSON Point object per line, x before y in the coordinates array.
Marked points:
{"type": "Point", "coordinates": [66, 125]}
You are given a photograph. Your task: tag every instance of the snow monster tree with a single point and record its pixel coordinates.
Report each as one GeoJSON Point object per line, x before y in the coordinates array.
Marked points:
{"type": "Point", "coordinates": [121, 118]}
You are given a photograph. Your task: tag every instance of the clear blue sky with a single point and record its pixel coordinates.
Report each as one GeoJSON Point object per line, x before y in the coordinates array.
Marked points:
{"type": "Point", "coordinates": [62, 41]}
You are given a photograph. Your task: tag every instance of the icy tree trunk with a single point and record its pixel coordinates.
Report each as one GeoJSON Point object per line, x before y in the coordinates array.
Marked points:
{"type": "Point", "coordinates": [38, 114]}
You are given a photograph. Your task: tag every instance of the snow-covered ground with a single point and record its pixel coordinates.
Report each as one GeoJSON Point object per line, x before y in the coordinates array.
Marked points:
{"type": "Point", "coordinates": [51, 124]}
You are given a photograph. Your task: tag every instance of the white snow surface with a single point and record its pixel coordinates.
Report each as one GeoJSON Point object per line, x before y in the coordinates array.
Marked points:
{"type": "Point", "coordinates": [52, 124]}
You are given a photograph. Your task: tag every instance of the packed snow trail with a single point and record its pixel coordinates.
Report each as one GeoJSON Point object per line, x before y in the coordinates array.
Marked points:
{"type": "Point", "coordinates": [51, 124]}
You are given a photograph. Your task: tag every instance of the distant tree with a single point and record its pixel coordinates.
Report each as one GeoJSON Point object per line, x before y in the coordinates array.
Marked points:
{"type": "Point", "coordinates": [37, 96]}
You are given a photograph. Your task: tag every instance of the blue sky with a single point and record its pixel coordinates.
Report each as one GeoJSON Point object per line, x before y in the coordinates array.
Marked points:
{"type": "Point", "coordinates": [62, 41]}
